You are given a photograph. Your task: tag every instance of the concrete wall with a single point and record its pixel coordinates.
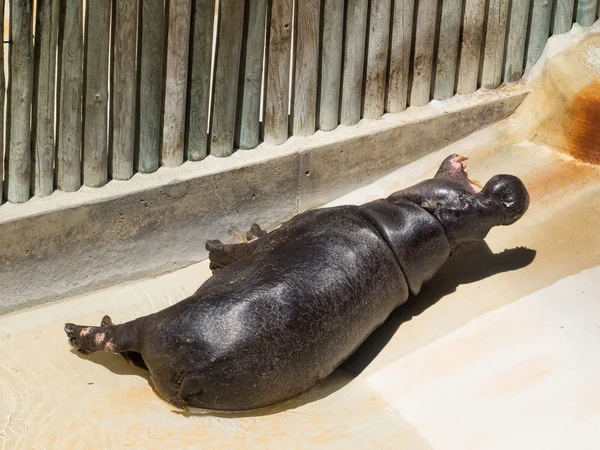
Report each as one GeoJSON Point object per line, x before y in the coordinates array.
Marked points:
{"type": "Point", "coordinates": [72, 243]}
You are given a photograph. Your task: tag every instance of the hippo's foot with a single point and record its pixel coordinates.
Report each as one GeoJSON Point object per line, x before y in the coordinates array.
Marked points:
{"type": "Point", "coordinates": [88, 340]}
{"type": "Point", "coordinates": [222, 255]}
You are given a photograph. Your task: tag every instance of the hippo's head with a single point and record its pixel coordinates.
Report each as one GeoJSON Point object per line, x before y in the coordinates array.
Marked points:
{"type": "Point", "coordinates": [466, 212]}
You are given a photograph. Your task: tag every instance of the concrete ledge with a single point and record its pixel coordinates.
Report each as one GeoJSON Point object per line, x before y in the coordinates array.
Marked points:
{"type": "Point", "coordinates": [71, 243]}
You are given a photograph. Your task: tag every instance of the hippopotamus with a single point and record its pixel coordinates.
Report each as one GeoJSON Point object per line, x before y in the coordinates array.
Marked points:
{"type": "Point", "coordinates": [283, 310]}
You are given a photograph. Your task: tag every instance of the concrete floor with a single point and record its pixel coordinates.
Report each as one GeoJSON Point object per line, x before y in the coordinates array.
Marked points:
{"type": "Point", "coordinates": [498, 352]}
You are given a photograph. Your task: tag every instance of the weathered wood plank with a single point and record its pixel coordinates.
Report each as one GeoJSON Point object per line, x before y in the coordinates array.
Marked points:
{"type": "Point", "coordinates": [332, 45]}
{"type": "Point", "coordinates": [247, 126]}
{"type": "Point", "coordinates": [354, 61]}
{"type": "Point", "coordinates": [2, 92]}
{"type": "Point", "coordinates": [517, 38]}
{"type": "Point", "coordinates": [304, 106]}
{"type": "Point", "coordinates": [539, 30]}
{"type": "Point", "coordinates": [20, 92]}
{"type": "Point", "coordinates": [150, 90]}
{"type": "Point", "coordinates": [377, 59]}
{"type": "Point", "coordinates": [123, 90]}
{"type": "Point", "coordinates": [201, 39]}
{"type": "Point", "coordinates": [95, 142]}
{"type": "Point", "coordinates": [493, 57]}
{"type": "Point", "coordinates": [44, 153]}
{"type": "Point", "coordinates": [178, 40]}
{"type": "Point", "coordinates": [278, 72]}
{"type": "Point", "coordinates": [447, 56]}
{"type": "Point", "coordinates": [401, 42]}
{"type": "Point", "coordinates": [586, 12]}
{"type": "Point", "coordinates": [68, 155]}
{"type": "Point", "coordinates": [563, 16]}
{"type": "Point", "coordinates": [470, 50]}
{"type": "Point", "coordinates": [424, 42]}
{"type": "Point", "coordinates": [227, 72]}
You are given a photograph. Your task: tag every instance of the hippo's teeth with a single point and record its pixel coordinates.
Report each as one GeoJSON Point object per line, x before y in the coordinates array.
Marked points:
{"type": "Point", "coordinates": [461, 158]}
{"type": "Point", "coordinates": [476, 183]}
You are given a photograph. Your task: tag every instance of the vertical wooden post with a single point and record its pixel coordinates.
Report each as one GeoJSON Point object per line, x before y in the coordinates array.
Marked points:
{"type": "Point", "coordinates": [447, 57]}
{"type": "Point", "coordinates": [20, 92]}
{"type": "Point", "coordinates": [43, 154]}
{"type": "Point", "coordinates": [229, 46]}
{"type": "Point", "coordinates": [517, 37]}
{"type": "Point", "coordinates": [377, 59]}
{"type": "Point", "coordinates": [470, 50]}
{"type": "Point", "coordinates": [402, 27]}
{"type": "Point", "coordinates": [95, 143]}
{"type": "Point", "coordinates": [150, 90]}
{"type": "Point", "coordinates": [278, 72]}
{"type": "Point", "coordinates": [586, 12]}
{"type": "Point", "coordinates": [331, 64]}
{"type": "Point", "coordinates": [247, 126]}
{"type": "Point", "coordinates": [201, 39]}
{"type": "Point", "coordinates": [539, 30]}
{"type": "Point", "coordinates": [493, 57]}
{"type": "Point", "coordinates": [123, 89]}
{"type": "Point", "coordinates": [68, 161]}
{"type": "Point", "coordinates": [354, 61]}
{"type": "Point", "coordinates": [304, 106]}
{"type": "Point", "coordinates": [178, 40]}
{"type": "Point", "coordinates": [424, 43]}
{"type": "Point", "coordinates": [563, 16]}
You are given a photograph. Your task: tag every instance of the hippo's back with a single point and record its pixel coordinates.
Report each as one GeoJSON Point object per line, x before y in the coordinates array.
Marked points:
{"type": "Point", "coordinates": [272, 326]}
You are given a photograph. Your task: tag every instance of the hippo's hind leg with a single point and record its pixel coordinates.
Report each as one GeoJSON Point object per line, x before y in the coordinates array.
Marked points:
{"type": "Point", "coordinates": [222, 255]}
{"type": "Point", "coordinates": [131, 357]}
{"type": "Point", "coordinates": [107, 337]}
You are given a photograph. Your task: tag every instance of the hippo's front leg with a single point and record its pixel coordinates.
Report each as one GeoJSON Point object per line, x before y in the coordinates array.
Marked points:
{"type": "Point", "coordinates": [222, 255]}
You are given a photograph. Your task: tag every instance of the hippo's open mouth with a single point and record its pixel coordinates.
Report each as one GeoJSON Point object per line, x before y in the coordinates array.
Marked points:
{"type": "Point", "coordinates": [461, 171]}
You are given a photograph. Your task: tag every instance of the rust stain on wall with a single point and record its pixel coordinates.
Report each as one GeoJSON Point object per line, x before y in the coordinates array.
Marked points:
{"type": "Point", "coordinates": [582, 125]}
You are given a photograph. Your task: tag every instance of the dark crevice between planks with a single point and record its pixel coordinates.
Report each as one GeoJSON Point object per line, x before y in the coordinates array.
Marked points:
{"type": "Point", "coordinates": [111, 84]}
{"type": "Point", "coordinates": [389, 56]}
{"type": "Point", "coordinates": [263, 93]}
{"type": "Point", "coordinates": [436, 45]}
{"type": "Point", "coordinates": [411, 61]}
{"type": "Point", "coordinates": [483, 42]}
{"type": "Point", "coordinates": [138, 84]}
{"type": "Point", "coordinates": [365, 60]}
{"type": "Point", "coordinates": [505, 52]}
{"type": "Point", "coordinates": [342, 66]}
{"type": "Point", "coordinates": [320, 63]}
{"type": "Point", "coordinates": [292, 84]}
{"type": "Point", "coordinates": [527, 40]}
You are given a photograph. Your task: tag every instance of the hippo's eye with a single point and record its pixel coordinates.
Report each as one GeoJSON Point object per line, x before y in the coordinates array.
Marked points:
{"type": "Point", "coordinates": [508, 204]}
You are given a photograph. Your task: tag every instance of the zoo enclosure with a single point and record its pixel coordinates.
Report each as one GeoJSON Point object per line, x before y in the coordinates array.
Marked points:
{"type": "Point", "coordinates": [101, 89]}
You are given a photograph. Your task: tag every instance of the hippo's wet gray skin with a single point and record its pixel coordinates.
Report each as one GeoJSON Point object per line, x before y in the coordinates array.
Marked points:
{"type": "Point", "coordinates": [283, 311]}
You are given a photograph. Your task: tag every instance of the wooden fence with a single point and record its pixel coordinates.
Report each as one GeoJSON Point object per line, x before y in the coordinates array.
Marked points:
{"type": "Point", "coordinates": [102, 89]}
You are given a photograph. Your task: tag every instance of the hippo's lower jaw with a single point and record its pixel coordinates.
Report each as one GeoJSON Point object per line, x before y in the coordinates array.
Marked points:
{"type": "Point", "coordinates": [283, 311]}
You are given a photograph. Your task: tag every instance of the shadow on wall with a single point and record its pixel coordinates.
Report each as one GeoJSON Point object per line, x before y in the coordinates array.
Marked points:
{"type": "Point", "coordinates": [470, 264]}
